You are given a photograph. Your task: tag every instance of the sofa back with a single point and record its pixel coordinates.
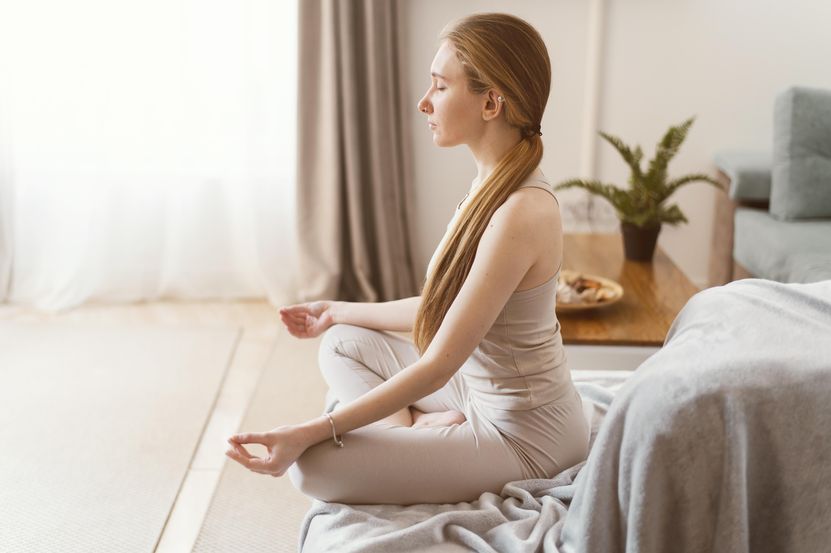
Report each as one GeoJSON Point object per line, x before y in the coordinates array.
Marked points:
{"type": "Point", "coordinates": [801, 171]}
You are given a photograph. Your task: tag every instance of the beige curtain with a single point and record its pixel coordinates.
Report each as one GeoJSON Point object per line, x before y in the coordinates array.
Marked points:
{"type": "Point", "coordinates": [354, 193]}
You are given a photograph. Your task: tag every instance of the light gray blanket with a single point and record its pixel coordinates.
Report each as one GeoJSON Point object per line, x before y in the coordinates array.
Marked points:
{"type": "Point", "coordinates": [719, 442]}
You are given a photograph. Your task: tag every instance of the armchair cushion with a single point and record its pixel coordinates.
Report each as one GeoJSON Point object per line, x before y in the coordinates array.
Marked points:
{"type": "Point", "coordinates": [809, 267]}
{"type": "Point", "coordinates": [801, 178]}
{"type": "Point", "coordinates": [749, 172]}
{"type": "Point", "coordinates": [798, 251]}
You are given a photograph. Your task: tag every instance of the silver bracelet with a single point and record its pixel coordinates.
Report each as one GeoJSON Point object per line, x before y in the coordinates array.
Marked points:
{"type": "Point", "coordinates": [338, 441]}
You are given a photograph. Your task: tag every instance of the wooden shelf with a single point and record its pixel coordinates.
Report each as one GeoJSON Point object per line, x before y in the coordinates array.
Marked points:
{"type": "Point", "coordinates": [653, 294]}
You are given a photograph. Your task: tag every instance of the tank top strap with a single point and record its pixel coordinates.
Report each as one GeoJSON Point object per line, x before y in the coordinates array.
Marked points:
{"type": "Point", "coordinates": [542, 184]}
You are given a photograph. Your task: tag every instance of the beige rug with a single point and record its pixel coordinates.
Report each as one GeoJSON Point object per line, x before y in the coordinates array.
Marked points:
{"type": "Point", "coordinates": [98, 425]}
{"type": "Point", "coordinates": [253, 512]}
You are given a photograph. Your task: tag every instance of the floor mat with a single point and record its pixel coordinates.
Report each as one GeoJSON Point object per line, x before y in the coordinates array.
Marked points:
{"type": "Point", "coordinates": [98, 425]}
{"type": "Point", "coordinates": [252, 512]}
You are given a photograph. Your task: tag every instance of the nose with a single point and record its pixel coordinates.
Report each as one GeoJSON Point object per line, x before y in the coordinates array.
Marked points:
{"type": "Point", "coordinates": [423, 105]}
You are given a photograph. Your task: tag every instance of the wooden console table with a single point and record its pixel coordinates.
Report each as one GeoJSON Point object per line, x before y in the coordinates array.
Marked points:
{"type": "Point", "coordinates": [653, 294]}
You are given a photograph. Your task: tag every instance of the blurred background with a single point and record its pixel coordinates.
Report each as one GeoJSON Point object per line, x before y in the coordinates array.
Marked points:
{"type": "Point", "coordinates": [150, 150]}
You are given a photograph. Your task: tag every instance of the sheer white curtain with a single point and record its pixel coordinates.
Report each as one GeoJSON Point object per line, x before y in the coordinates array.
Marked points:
{"type": "Point", "coordinates": [147, 150]}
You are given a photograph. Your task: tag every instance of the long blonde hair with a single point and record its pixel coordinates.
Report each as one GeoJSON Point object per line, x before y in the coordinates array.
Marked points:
{"type": "Point", "coordinates": [504, 52]}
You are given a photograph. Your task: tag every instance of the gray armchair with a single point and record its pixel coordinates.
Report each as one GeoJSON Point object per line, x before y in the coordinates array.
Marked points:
{"type": "Point", "coordinates": [774, 221]}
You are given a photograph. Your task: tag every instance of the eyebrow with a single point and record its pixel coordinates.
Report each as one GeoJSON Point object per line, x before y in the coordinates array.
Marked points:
{"type": "Point", "coordinates": [434, 74]}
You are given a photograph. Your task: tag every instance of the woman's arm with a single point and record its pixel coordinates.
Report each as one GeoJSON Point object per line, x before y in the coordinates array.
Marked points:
{"type": "Point", "coordinates": [506, 252]}
{"type": "Point", "coordinates": [395, 315]}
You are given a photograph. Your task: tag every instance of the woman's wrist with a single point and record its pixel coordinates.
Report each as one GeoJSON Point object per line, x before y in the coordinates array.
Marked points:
{"type": "Point", "coordinates": [316, 430]}
{"type": "Point", "coordinates": [336, 312]}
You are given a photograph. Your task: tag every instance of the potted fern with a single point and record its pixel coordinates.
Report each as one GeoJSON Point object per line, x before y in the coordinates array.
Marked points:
{"type": "Point", "coordinates": [642, 207]}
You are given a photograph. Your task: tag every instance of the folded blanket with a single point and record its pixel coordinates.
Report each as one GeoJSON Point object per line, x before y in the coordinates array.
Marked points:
{"type": "Point", "coordinates": [721, 441]}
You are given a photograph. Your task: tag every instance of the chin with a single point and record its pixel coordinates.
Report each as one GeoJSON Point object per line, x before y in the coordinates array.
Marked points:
{"type": "Point", "coordinates": [443, 143]}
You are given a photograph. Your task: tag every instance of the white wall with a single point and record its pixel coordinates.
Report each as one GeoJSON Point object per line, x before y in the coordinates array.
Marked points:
{"type": "Point", "coordinates": [662, 62]}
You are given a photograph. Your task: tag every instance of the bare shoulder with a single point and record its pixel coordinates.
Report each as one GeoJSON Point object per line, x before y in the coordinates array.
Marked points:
{"type": "Point", "coordinates": [529, 221]}
{"type": "Point", "coordinates": [528, 209]}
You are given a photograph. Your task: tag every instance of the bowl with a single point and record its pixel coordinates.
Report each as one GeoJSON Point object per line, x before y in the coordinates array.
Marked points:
{"type": "Point", "coordinates": [578, 291]}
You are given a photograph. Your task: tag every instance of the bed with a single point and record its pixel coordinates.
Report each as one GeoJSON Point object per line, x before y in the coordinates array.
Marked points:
{"type": "Point", "coordinates": [718, 442]}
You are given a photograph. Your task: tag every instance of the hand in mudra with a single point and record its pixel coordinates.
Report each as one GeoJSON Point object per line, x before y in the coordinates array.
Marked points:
{"type": "Point", "coordinates": [284, 445]}
{"type": "Point", "coordinates": [307, 320]}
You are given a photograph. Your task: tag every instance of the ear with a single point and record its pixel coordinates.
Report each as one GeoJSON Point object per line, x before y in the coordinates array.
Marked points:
{"type": "Point", "coordinates": [493, 107]}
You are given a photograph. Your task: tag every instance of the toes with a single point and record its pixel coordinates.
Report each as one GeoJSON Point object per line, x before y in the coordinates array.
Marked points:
{"type": "Point", "coordinates": [457, 418]}
{"type": "Point", "coordinates": [447, 418]}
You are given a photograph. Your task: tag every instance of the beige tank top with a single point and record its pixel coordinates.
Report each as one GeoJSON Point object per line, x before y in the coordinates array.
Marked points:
{"type": "Point", "coordinates": [520, 364]}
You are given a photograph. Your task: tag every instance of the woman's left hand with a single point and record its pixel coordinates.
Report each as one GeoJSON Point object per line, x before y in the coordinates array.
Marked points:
{"type": "Point", "coordinates": [284, 444]}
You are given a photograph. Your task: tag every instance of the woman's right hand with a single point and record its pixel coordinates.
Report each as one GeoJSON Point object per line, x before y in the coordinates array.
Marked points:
{"type": "Point", "coordinates": [308, 320]}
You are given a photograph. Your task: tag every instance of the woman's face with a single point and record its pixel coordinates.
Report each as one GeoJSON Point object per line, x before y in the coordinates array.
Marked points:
{"type": "Point", "coordinates": [453, 112]}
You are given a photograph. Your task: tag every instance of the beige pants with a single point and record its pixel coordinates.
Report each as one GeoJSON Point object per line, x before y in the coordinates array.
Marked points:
{"type": "Point", "coordinates": [384, 463]}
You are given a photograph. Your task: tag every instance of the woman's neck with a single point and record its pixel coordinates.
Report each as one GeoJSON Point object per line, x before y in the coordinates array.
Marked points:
{"type": "Point", "coordinates": [491, 146]}
{"type": "Point", "coordinates": [536, 173]}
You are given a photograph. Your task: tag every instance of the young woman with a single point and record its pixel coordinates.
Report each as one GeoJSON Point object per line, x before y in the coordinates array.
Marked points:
{"type": "Point", "coordinates": [483, 397]}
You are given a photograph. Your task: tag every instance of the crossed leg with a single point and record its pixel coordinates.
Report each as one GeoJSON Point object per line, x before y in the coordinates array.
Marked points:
{"type": "Point", "coordinates": [354, 360]}
{"type": "Point", "coordinates": [392, 463]}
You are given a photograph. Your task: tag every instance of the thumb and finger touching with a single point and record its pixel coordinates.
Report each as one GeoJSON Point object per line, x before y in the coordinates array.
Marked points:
{"type": "Point", "coordinates": [246, 458]}
{"type": "Point", "coordinates": [296, 324]}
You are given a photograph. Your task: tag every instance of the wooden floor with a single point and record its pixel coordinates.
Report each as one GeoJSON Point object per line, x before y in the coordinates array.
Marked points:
{"type": "Point", "coordinates": [261, 327]}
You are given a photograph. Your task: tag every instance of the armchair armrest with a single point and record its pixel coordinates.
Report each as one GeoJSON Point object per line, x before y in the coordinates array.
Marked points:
{"type": "Point", "coordinates": [749, 172]}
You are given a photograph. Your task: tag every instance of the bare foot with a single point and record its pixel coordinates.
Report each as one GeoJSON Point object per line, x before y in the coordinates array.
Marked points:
{"type": "Point", "coordinates": [442, 418]}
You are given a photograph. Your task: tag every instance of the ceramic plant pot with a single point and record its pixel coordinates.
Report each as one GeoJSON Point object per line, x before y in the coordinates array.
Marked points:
{"type": "Point", "coordinates": [639, 242]}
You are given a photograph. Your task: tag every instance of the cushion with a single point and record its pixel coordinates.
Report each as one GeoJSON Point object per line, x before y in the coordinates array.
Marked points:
{"type": "Point", "coordinates": [801, 177]}
{"type": "Point", "coordinates": [797, 251]}
{"type": "Point", "coordinates": [749, 173]}
{"type": "Point", "coordinates": [809, 267]}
